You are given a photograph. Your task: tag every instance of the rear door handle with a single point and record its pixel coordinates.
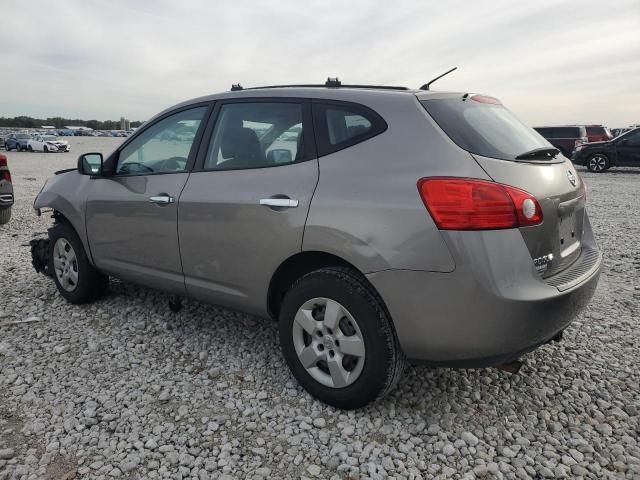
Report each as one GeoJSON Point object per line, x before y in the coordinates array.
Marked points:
{"type": "Point", "coordinates": [162, 199]}
{"type": "Point", "coordinates": [279, 202]}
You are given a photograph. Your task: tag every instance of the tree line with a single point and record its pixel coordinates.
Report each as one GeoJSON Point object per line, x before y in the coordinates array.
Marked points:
{"type": "Point", "coordinates": [59, 122]}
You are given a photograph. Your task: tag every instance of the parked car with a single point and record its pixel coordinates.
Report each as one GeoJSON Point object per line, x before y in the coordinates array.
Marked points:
{"type": "Point", "coordinates": [442, 230]}
{"type": "Point", "coordinates": [17, 141]}
{"type": "Point", "coordinates": [622, 151]}
{"type": "Point", "coordinates": [598, 133]}
{"type": "Point", "coordinates": [565, 138]}
{"type": "Point", "coordinates": [47, 143]}
{"type": "Point", "coordinates": [6, 191]}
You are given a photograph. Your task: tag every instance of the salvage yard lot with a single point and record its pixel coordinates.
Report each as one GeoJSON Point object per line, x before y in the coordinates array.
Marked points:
{"type": "Point", "coordinates": [126, 388]}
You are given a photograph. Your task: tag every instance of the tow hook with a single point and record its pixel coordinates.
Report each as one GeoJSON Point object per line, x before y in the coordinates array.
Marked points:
{"type": "Point", "coordinates": [510, 367]}
{"type": "Point", "coordinates": [40, 255]}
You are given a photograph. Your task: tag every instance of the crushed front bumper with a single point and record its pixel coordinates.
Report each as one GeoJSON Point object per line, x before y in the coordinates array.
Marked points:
{"type": "Point", "coordinates": [40, 255]}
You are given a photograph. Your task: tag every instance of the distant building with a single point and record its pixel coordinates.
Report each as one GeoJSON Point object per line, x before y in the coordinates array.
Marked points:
{"type": "Point", "coordinates": [48, 127]}
{"type": "Point", "coordinates": [124, 124]}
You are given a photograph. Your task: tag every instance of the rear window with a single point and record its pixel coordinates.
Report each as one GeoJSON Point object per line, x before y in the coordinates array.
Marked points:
{"type": "Point", "coordinates": [560, 132]}
{"type": "Point", "coordinates": [481, 125]}
{"type": "Point", "coordinates": [598, 131]}
{"type": "Point", "coordinates": [343, 124]}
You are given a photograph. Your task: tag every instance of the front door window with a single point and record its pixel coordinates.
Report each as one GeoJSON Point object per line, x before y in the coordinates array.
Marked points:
{"type": "Point", "coordinates": [164, 147]}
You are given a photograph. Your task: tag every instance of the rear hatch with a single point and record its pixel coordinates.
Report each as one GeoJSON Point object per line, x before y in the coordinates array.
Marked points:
{"type": "Point", "coordinates": [514, 154]}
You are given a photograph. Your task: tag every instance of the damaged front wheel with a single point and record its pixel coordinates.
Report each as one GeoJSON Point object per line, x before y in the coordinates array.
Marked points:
{"type": "Point", "coordinates": [77, 280]}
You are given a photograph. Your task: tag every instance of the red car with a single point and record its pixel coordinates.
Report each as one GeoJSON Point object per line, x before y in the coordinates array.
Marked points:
{"type": "Point", "coordinates": [6, 191]}
{"type": "Point", "coordinates": [598, 133]}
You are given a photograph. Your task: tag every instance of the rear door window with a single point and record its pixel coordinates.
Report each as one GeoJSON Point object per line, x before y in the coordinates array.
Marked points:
{"type": "Point", "coordinates": [257, 135]}
{"type": "Point", "coordinates": [341, 124]}
{"type": "Point", "coordinates": [482, 125]}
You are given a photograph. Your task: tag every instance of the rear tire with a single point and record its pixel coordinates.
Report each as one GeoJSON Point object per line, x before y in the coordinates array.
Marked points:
{"type": "Point", "coordinates": [598, 163]}
{"type": "Point", "coordinates": [356, 361]}
{"type": "Point", "coordinates": [5, 215]}
{"type": "Point", "coordinates": [77, 280]}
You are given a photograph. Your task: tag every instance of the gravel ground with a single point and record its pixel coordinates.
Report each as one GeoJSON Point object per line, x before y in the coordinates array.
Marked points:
{"type": "Point", "coordinates": [125, 388]}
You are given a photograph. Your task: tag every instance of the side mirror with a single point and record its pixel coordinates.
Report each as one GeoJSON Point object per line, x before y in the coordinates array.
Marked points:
{"type": "Point", "coordinates": [90, 164]}
{"type": "Point", "coordinates": [279, 155]}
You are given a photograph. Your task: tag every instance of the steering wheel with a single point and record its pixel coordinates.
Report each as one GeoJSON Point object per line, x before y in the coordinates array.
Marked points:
{"type": "Point", "coordinates": [140, 167]}
{"type": "Point", "coordinates": [174, 163]}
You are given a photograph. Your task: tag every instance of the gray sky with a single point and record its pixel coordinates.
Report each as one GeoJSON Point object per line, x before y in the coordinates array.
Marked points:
{"type": "Point", "coordinates": [551, 62]}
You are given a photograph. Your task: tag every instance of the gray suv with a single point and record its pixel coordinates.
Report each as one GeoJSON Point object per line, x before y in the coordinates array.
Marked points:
{"type": "Point", "coordinates": [376, 225]}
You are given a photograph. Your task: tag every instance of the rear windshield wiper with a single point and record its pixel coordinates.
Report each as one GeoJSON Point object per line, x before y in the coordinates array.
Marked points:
{"type": "Point", "coordinates": [545, 153]}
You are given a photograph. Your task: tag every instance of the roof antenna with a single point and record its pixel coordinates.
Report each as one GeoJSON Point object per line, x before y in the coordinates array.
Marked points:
{"type": "Point", "coordinates": [426, 85]}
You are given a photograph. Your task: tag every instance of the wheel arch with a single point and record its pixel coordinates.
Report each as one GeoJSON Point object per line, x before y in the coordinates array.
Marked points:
{"type": "Point", "coordinates": [295, 267]}
{"type": "Point", "coordinates": [65, 194]}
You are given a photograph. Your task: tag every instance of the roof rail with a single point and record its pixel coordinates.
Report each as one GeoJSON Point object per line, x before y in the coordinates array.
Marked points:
{"type": "Point", "coordinates": [330, 83]}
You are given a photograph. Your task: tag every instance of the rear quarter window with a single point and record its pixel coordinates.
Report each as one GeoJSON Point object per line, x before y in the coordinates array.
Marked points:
{"type": "Point", "coordinates": [482, 125]}
{"type": "Point", "coordinates": [339, 125]}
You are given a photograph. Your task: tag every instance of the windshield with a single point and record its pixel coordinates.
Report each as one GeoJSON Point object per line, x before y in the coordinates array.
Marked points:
{"type": "Point", "coordinates": [625, 134]}
{"type": "Point", "coordinates": [483, 126]}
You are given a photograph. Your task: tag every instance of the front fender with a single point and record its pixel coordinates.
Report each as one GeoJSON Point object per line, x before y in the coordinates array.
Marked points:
{"type": "Point", "coordinates": [66, 194]}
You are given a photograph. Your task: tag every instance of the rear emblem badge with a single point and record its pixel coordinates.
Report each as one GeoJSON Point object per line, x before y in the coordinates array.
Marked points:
{"type": "Point", "coordinates": [571, 177]}
{"type": "Point", "coordinates": [542, 263]}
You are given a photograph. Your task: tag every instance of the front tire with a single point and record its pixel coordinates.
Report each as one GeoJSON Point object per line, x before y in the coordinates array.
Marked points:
{"type": "Point", "coordinates": [76, 279]}
{"type": "Point", "coordinates": [30, 148]}
{"type": "Point", "coordinates": [5, 215]}
{"type": "Point", "coordinates": [338, 339]}
{"type": "Point", "coordinates": [598, 163]}
{"type": "Point", "coordinates": [45, 149]}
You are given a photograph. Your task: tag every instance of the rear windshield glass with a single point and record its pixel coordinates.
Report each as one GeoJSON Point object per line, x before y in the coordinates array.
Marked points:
{"type": "Point", "coordinates": [486, 129]}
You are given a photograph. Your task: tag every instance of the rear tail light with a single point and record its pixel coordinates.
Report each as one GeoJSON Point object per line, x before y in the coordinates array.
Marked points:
{"type": "Point", "coordinates": [471, 204]}
{"type": "Point", "coordinates": [4, 174]}
{"type": "Point", "coordinates": [580, 141]}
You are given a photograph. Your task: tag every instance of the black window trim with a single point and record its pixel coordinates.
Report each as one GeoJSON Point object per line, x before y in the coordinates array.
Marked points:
{"type": "Point", "coordinates": [114, 158]}
{"type": "Point", "coordinates": [378, 125]}
{"type": "Point", "coordinates": [307, 122]}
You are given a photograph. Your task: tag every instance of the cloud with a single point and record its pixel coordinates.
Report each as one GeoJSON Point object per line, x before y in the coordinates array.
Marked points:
{"type": "Point", "coordinates": [549, 62]}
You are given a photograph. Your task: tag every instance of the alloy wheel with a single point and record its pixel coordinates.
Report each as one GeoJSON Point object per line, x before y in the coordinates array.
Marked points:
{"type": "Point", "coordinates": [328, 342]}
{"type": "Point", "coordinates": [65, 264]}
{"type": "Point", "coordinates": [597, 163]}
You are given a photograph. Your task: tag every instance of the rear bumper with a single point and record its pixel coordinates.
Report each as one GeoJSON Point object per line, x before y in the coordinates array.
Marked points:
{"type": "Point", "coordinates": [493, 308]}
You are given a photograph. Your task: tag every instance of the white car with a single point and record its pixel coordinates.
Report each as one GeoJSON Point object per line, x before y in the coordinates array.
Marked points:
{"type": "Point", "coordinates": [47, 143]}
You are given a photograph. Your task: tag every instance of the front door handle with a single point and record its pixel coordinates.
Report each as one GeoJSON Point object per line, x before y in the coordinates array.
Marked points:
{"type": "Point", "coordinates": [162, 199]}
{"type": "Point", "coordinates": [279, 202]}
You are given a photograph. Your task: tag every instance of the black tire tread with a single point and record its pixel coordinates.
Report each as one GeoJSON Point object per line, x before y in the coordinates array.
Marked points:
{"type": "Point", "coordinates": [361, 286]}
{"type": "Point", "coordinates": [5, 215]}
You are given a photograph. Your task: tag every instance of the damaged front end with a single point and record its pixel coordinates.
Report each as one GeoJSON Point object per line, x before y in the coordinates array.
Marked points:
{"type": "Point", "coordinates": [40, 255]}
